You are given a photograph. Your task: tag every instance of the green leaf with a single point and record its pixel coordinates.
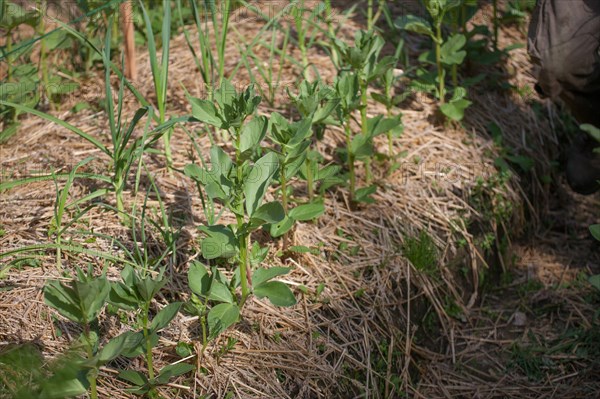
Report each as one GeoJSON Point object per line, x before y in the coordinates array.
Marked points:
{"type": "Point", "coordinates": [222, 316]}
{"type": "Point", "coordinates": [118, 345]}
{"type": "Point", "coordinates": [595, 230]}
{"type": "Point", "coordinates": [173, 370]}
{"type": "Point", "coordinates": [451, 52]}
{"type": "Point", "coordinates": [62, 299]}
{"type": "Point", "coordinates": [135, 377]}
{"type": "Point", "coordinates": [262, 275]}
{"type": "Point", "coordinates": [199, 279]}
{"type": "Point", "coordinates": [220, 292]}
{"type": "Point", "coordinates": [364, 194]}
{"type": "Point", "coordinates": [258, 181]}
{"type": "Point", "coordinates": [62, 386]}
{"type": "Point", "coordinates": [302, 249]}
{"type": "Point", "coordinates": [595, 281]}
{"type": "Point", "coordinates": [221, 242]}
{"type": "Point", "coordinates": [278, 293]}
{"type": "Point", "coordinates": [307, 211]}
{"type": "Point", "coordinates": [279, 229]}
{"type": "Point", "coordinates": [252, 134]}
{"type": "Point", "coordinates": [415, 24]}
{"type": "Point", "coordinates": [221, 164]}
{"type": "Point", "coordinates": [455, 110]}
{"type": "Point", "coordinates": [205, 111]}
{"type": "Point", "coordinates": [77, 131]}
{"type": "Point", "coordinates": [164, 317]}
{"type": "Point", "coordinates": [196, 173]}
{"type": "Point", "coordinates": [592, 130]}
{"type": "Point", "coordinates": [380, 125]}
{"type": "Point", "coordinates": [271, 212]}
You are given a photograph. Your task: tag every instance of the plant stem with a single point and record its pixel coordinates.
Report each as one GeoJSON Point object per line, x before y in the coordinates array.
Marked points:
{"type": "Point", "coordinates": [496, 25]}
{"type": "Point", "coordinates": [390, 137]}
{"type": "Point", "coordinates": [370, 15]}
{"type": "Point", "coordinates": [8, 61]}
{"type": "Point", "coordinates": [438, 59]}
{"type": "Point", "coordinates": [309, 178]}
{"type": "Point", "coordinates": [350, 160]}
{"type": "Point", "coordinates": [284, 200]}
{"type": "Point", "coordinates": [147, 340]}
{"type": "Point", "coordinates": [364, 125]}
{"type": "Point", "coordinates": [244, 268]}
{"type": "Point", "coordinates": [90, 355]}
{"type": "Point", "coordinates": [41, 5]}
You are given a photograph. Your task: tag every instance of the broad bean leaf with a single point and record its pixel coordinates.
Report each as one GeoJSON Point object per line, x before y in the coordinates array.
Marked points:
{"type": "Point", "coordinates": [164, 316]}
{"type": "Point", "coordinates": [116, 346]}
{"type": "Point", "coordinates": [173, 370]}
{"type": "Point", "coordinates": [455, 110]}
{"type": "Point", "coordinates": [278, 293]}
{"type": "Point", "coordinates": [198, 279]}
{"type": "Point", "coordinates": [257, 182]}
{"type": "Point", "coordinates": [262, 275]}
{"type": "Point", "coordinates": [279, 229]}
{"type": "Point", "coordinates": [221, 242]}
{"type": "Point", "coordinates": [307, 211]}
{"type": "Point", "coordinates": [451, 51]}
{"type": "Point", "coordinates": [414, 24]}
{"type": "Point", "coordinates": [271, 212]}
{"type": "Point", "coordinates": [205, 111]}
{"type": "Point", "coordinates": [221, 316]}
{"type": "Point", "coordinates": [252, 134]}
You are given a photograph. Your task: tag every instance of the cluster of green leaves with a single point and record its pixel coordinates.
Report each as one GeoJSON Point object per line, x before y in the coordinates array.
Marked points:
{"type": "Point", "coordinates": [361, 65]}
{"type": "Point", "coordinates": [449, 52]}
{"type": "Point", "coordinates": [83, 298]}
{"type": "Point", "coordinates": [317, 102]}
{"type": "Point", "coordinates": [241, 183]}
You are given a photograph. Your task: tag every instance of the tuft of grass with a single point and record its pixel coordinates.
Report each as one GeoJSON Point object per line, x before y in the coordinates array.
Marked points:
{"type": "Point", "coordinates": [422, 253]}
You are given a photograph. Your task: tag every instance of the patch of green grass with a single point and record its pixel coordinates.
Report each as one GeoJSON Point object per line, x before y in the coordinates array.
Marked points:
{"type": "Point", "coordinates": [422, 253]}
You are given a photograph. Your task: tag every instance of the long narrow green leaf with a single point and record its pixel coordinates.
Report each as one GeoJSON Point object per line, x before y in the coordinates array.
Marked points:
{"type": "Point", "coordinates": [65, 248]}
{"type": "Point", "coordinates": [60, 122]}
{"type": "Point", "coordinates": [28, 180]}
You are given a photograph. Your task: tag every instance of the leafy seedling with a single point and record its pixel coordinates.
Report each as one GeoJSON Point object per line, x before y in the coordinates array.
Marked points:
{"type": "Point", "coordinates": [449, 51]}
{"type": "Point", "coordinates": [81, 301]}
{"type": "Point", "coordinates": [239, 184]}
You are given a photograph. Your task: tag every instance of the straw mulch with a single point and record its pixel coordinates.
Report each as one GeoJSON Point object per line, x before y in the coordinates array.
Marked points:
{"type": "Point", "coordinates": [380, 328]}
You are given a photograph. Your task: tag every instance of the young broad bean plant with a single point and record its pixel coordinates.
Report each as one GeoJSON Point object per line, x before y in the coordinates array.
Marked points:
{"type": "Point", "coordinates": [81, 301]}
{"type": "Point", "coordinates": [364, 61]}
{"type": "Point", "coordinates": [293, 141]}
{"type": "Point", "coordinates": [213, 297]}
{"type": "Point", "coordinates": [134, 293]}
{"type": "Point", "coordinates": [449, 51]}
{"type": "Point", "coordinates": [239, 183]}
{"type": "Point", "coordinates": [316, 102]}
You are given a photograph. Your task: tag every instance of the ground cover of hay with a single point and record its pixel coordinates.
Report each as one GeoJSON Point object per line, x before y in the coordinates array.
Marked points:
{"type": "Point", "coordinates": [380, 328]}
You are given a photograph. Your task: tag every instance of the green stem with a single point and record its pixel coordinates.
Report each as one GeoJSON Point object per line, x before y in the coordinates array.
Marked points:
{"type": "Point", "coordinates": [438, 59]}
{"type": "Point", "coordinates": [334, 54]}
{"type": "Point", "coordinates": [147, 340]}
{"type": "Point", "coordinates": [8, 51]}
{"type": "Point", "coordinates": [350, 160]}
{"type": "Point", "coordinates": [90, 354]}
{"type": "Point", "coordinates": [370, 15]}
{"type": "Point", "coordinates": [390, 137]}
{"type": "Point", "coordinates": [309, 179]}
{"type": "Point", "coordinates": [364, 125]}
{"type": "Point", "coordinates": [244, 268]}
{"type": "Point", "coordinates": [284, 200]}
{"type": "Point", "coordinates": [496, 24]}
{"type": "Point", "coordinates": [243, 238]}
{"type": "Point", "coordinates": [43, 51]}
